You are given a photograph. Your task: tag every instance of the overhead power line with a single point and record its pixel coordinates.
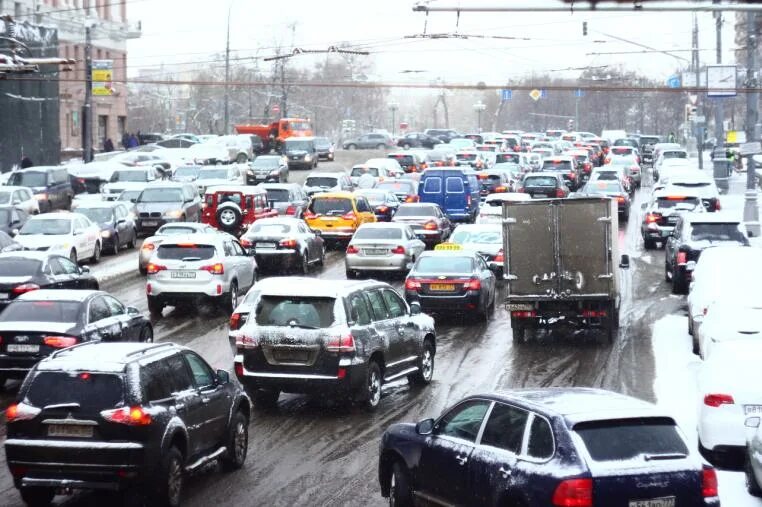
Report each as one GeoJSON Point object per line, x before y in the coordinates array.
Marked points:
{"type": "Point", "coordinates": [331, 49]}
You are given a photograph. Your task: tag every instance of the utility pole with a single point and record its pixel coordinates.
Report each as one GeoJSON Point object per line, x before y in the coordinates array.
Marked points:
{"type": "Point", "coordinates": [227, 76]}
{"type": "Point", "coordinates": [698, 130]}
{"type": "Point", "coordinates": [719, 113]}
{"type": "Point", "coordinates": [87, 113]}
{"type": "Point", "coordinates": [750, 210]}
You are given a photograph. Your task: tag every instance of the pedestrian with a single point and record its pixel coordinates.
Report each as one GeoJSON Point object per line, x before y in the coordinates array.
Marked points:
{"type": "Point", "coordinates": [133, 142]}
{"type": "Point", "coordinates": [671, 137]}
{"type": "Point", "coordinates": [26, 162]}
{"type": "Point", "coordinates": [108, 145]}
{"type": "Point", "coordinates": [125, 140]}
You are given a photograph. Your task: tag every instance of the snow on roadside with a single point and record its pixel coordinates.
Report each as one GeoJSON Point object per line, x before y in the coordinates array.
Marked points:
{"type": "Point", "coordinates": [675, 386]}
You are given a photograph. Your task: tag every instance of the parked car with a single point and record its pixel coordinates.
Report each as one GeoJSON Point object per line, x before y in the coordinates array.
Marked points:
{"type": "Point", "coordinates": [88, 409]}
{"type": "Point", "coordinates": [552, 446]}
{"type": "Point", "coordinates": [39, 322]}
{"type": "Point", "coordinates": [368, 141]}
{"type": "Point", "coordinates": [418, 140]}
{"type": "Point", "coordinates": [329, 338]}
{"type": "Point", "coordinates": [267, 168]}
{"type": "Point", "coordinates": [50, 184]}
{"type": "Point", "coordinates": [325, 148]}
{"type": "Point", "coordinates": [733, 319]}
{"type": "Point", "coordinates": [455, 190]}
{"type": "Point", "coordinates": [21, 198]}
{"type": "Point", "coordinates": [661, 214]}
{"type": "Point", "coordinates": [117, 225]}
{"type": "Point", "coordinates": [186, 173]}
{"type": "Point", "coordinates": [233, 208]}
{"type": "Point", "coordinates": [69, 234]}
{"type": "Point", "coordinates": [286, 198]}
{"type": "Point", "coordinates": [199, 267]}
{"type": "Point", "coordinates": [166, 202]}
{"type": "Point", "coordinates": [383, 202]}
{"type": "Point", "coordinates": [337, 215]}
{"type": "Point", "coordinates": [382, 247]}
{"type": "Point", "coordinates": [284, 244]}
{"type": "Point", "coordinates": [149, 245]}
{"type": "Point", "coordinates": [427, 220]}
{"type": "Point", "coordinates": [318, 182]}
{"type": "Point", "coordinates": [300, 152]}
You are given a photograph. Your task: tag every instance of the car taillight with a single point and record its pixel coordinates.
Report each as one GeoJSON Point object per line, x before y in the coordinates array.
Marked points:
{"type": "Point", "coordinates": [620, 199]}
{"type": "Point", "coordinates": [589, 314]}
{"type": "Point", "coordinates": [246, 342]}
{"type": "Point", "coordinates": [717, 205]}
{"type": "Point", "coordinates": [500, 189]}
{"type": "Point", "coordinates": [473, 284]}
{"type": "Point", "coordinates": [412, 284]}
{"type": "Point", "coordinates": [215, 269]}
{"type": "Point", "coordinates": [412, 198]}
{"type": "Point", "coordinates": [574, 493]}
{"type": "Point", "coordinates": [524, 314]}
{"type": "Point", "coordinates": [238, 367]}
{"type": "Point", "coordinates": [560, 192]}
{"type": "Point", "coordinates": [709, 482]}
{"type": "Point", "coordinates": [148, 246]}
{"type": "Point", "coordinates": [399, 250]}
{"type": "Point", "coordinates": [716, 400]}
{"type": "Point", "coordinates": [288, 243]}
{"type": "Point", "coordinates": [468, 200]}
{"type": "Point", "coordinates": [682, 257]}
{"type": "Point", "coordinates": [20, 412]}
{"type": "Point", "coordinates": [291, 210]}
{"type": "Point", "coordinates": [246, 243]}
{"type": "Point", "coordinates": [24, 288]}
{"type": "Point", "coordinates": [572, 175]}
{"type": "Point", "coordinates": [430, 226]}
{"type": "Point", "coordinates": [352, 249]}
{"type": "Point", "coordinates": [349, 216]}
{"type": "Point", "coordinates": [382, 209]}
{"type": "Point", "coordinates": [152, 268]}
{"type": "Point", "coordinates": [413, 168]}
{"type": "Point", "coordinates": [308, 215]}
{"type": "Point", "coordinates": [237, 320]}
{"type": "Point", "coordinates": [131, 416]}
{"type": "Point", "coordinates": [652, 218]}
{"type": "Point", "coordinates": [500, 257]}
{"type": "Point", "coordinates": [59, 342]}
{"type": "Point", "coordinates": [344, 343]}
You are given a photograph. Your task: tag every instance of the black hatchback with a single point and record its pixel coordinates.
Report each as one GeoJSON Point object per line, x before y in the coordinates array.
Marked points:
{"type": "Point", "coordinates": [127, 417]}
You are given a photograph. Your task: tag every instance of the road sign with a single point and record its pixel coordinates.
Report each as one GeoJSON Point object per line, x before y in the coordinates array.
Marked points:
{"type": "Point", "coordinates": [506, 95]}
{"type": "Point", "coordinates": [543, 93]}
{"type": "Point", "coordinates": [673, 82]}
{"type": "Point", "coordinates": [721, 80]}
{"type": "Point", "coordinates": [751, 148]}
{"type": "Point", "coordinates": [699, 119]}
{"type": "Point", "coordinates": [403, 125]}
{"type": "Point", "coordinates": [535, 94]}
{"type": "Point", "coordinates": [579, 93]}
{"type": "Point", "coordinates": [275, 108]}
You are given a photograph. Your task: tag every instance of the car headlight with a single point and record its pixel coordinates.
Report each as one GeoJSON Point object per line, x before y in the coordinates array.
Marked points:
{"type": "Point", "coordinates": [274, 173]}
{"type": "Point", "coordinates": [175, 213]}
{"type": "Point", "coordinates": [60, 246]}
{"type": "Point", "coordinates": [307, 158]}
{"type": "Point", "coordinates": [250, 172]}
{"type": "Point", "coordinates": [105, 234]}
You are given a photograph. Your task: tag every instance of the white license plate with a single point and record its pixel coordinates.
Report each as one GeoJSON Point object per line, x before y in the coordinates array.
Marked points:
{"type": "Point", "coordinates": [3, 295]}
{"type": "Point", "coordinates": [22, 348]}
{"type": "Point", "coordinates": [70, 430]}
{"type": "Point", "coordinates": [519, 307]}
{"type": "Point", "coordinates": [183, 274]}
{"type": "Point", "coordinates": [752, 409]}
{"type": "Point", "coordinates": [150, 223]}
{"type": "Point", "coordinates": [265, 245]}
{"type": "Point", "coordinates": [374, 251]}
{"type": "Point", "coordinates": [667, 501]}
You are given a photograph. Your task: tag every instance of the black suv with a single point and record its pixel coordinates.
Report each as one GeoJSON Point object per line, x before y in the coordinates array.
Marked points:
{"type": "Point", "coordinates": [303, 335]}
{"type": "Point", "coordinates": [126, 417]}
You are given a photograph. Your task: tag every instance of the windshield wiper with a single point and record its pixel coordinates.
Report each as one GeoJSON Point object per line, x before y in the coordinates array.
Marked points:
{"type": "Point", "coordinates": [665, 456]}
{"type": "Point", "coordinates": [190, 259]}
{"type": "Point", "coordinates": [302, 326]}
{"type": "Point", "coordinates": [61, 405]}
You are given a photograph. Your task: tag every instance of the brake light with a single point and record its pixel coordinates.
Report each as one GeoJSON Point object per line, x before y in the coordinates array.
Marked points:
{"type": "Point", "coordinates": [413, 168]}
{"type": "Point", "coordinates": [246, 342]}
{"type": "Point", "coordinates": [500, 257]}
{"type": "Point", "coordinates": [620, 199]}
{"type": "Point", "coordinates": [482, 176]}
{"type": "Point", "coordinates": [59, 342]}
{"type": "Point", "coordinates": [238, 367]}
{"type": "Point", "coordinates": [520, 190]}
{"type": "Point", "coordinates": [524, 314]}
{"type": "Point", "coordinates": [682, 257]}
{"type": "Point", "coordinates": [468, 200]}
{"type": "Point", "coordinates": [399, 250]}
{"type": "Point", "coordinates": [148, 246]}
{"type": "Point", "coordinates": [572, 175]}
{"type": "Point", "coordinates": [590, 314]}
{"type": "Point", "coordinates": [709, 482]}
{"type": "Point", "coordinates": [308, 215]}
{"type": "Point", "coordinates": [291, 210]}
{"type": "Point", "coordinates": [235, 321]}
{"type": "Point", "coordinates": [473, 284]}
{"type": "Point", "coordinates": [131, 416]}
{"type": "Point", "coordinates": [412, 198]}
{"type": "Point", "coordinates": [345, 343]}
{"type": "Point", "coordinates": [675, 198]}
{"type": "Point", "coordinates": [215, 269]}
{"type": "Point", "coordinates": [716, 400]}
{"type": "Point", "coordinates": [152, 268]}
{"type": "Point", "coordinates": [500, 189]}
{"type": "Point", "coordinates": [652, 218]}
{"type": "Point", "coordinates": [24, 288]}
{"type": "Point", "coordinates": [349, 216]}
{"type": "Point", "coordinates": [382, 209]}
{"type": "Point", "coordinates": [412, 284]}
{"type": "Point", "coordinates": [574, 493]}
{"type": "Point", "coordinates": [430, 226]}
{"type": "Point", "coordinates": [288, 243]}
{"type": "Point", "coordinates": [20, 412]}
{"type": "Point", "coordinates": [717, 205]}
{"type": "Point", "coordinates": [560, 192]}
{"type": "Point", "coordinates": [352, 249]}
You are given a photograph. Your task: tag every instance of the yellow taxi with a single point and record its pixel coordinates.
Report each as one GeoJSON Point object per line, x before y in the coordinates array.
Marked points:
{"type": "Point", "coordinates": [337, 215]}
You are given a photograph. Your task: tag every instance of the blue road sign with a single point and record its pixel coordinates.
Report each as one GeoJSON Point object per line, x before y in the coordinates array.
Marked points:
{"type": "Point", "coordinates": [673, 82]}
{"type": "Point", "coordinates": [506, 95]}
{"type": "Point", "coordinates": [543, 93]}
{"type": "Point", "coordinates": [579, 93]}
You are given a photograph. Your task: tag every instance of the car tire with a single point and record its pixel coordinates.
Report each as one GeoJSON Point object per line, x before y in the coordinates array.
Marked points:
{"type": "Point", "coordinates": [649, 244]}
{"type": "Point", "coordinates": [406, 146]}
{"type": "Point", "coordinates": [37, 497]}
{"type": "Point", "coordinates": [371, 390]}
{"type": "Point", "coordinates": [231, 301]}
{"type": "Point", "coordinates": [146, 335]}
{"type": "Point", "coordinates": [351, 147]}
{"type": "Point", "coordinates": [305, 264]}
{"type": "Point", "coordinates": [265, 398]}
{"type": "Point", "coordinates": [169, 482]}
{"type": "Point", "coordinates": [752, 486]}
{"type": "Point", "coordinates": [155, 306]}
{"type": "Point", "coordinates": [321, 260]}
{"type": "Point", "coordinates": [237, 219]}
{"type": "Point", "coordinates": [351, 275]}
{"type": "Point", "coordinates": [400, 493]}
{"type": "Point", "coordinates": [96, 253]}
{"type": "Point", "coordinates": [518, 331]}
{"type": "Point", "coordinates": [115, 248]}
{"type": "Point", "coordinates": [425, 366]}
{"type": "Point", "coordinates": [667, 273]}
{"type": "Point", "coordinates": [143, 271]}
{"type": "Point", "coordinates": [380, 146]}
{"type": "Point", "coordinates": [626, 216]}
{"type": "Point", "coordinates": [679, 286]}
{"type": "Point", "coordinates": [133, 240]}
{"type": "Point", "coordinates": [237, 443]}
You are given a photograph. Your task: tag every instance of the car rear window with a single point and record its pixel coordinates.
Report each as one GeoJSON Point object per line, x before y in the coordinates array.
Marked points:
{"type": "Point", "coordinates": [331, 206]}
{"type": "Point", "coordinates": [540, 181]}
{"type": "Point", "coordinates": [717, 232]}
{"type": "Point", "coordinates": [42, 311]}
{"type": "Point", "coordinates": [273, 229]}
{"type": "Point", "coordinates": [277, 195]}
{"type": "Point", "coordinates": [359, 171]}
{"type": "Point", "coordinates": [18, 266]}
{"type": "Point", "coordinates": [557, 165]}
{"type": "Point", "coordinates": [432, 185]}
{"type": "Point", "coordinates": [416, 211]}
{"type": "Point", "coordinates": [508, 157]}
{"type": "Point", "coordinates": [169, 230]}
{"type": "Point", "coordinates": [466, 156]}
{"type": "Point", "coordinates": [403, 160]}
{"type": "Point", "coordinates": [455, 185]}
{"type": "Point", "coordinates": [398, 187]}
{"type": "Point", "coordinates": [92, 391]}
{"type": "Point", "coordinates": [187, 252]}
{"type": "Point", "coordinates": [321, 181]}
{"type": "Point", "coordinates": [623, 439]}
{"type": "Point", "coordinates": [378, 233]}
{"type": "Point", "coordinates": [448, 264]}
{"type": "Point", "coordinates": [674, 154]}
{"type": "Point", "coordinates": [296, 311]}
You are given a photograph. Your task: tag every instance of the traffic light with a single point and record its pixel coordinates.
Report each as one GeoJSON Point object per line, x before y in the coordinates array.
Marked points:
{"type": "Point", "coordinates": [570, 125]}
{"type": "Point", "coordinates": [690, 112]}
{"type": "Point", "coordinates": [584, 28]}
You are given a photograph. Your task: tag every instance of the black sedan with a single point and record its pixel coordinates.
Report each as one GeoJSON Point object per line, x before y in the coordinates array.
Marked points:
{"type": "Point", "coordinates": [116, 222]}
{"type": "Point", "coordinates": [383, 202]}
{"type": "Point", "coordinates": [325, 148]}
{"type": "Point", "coordinates": [418, 140]}
{"type": "Point", "coordinates": [284, 244]}
{"type": "Point", "coordinates": [428, 221]}
{"type": "Point", "coordinates": [39, 322]}
{"type": "Point", "coordinates": [447, 281]}
{"type": "Point", "coordinates": [608, 188]}
{"type": "Point", "coordinates": [12, 219]}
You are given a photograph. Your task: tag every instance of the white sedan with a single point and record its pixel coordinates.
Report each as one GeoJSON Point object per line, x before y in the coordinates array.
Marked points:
{"type": "Point", "coordinates": [69, 234]}
{"type": "Point", "coordinates": [20, 197]}
{"type": "Point", "coordinates": [740, 319]}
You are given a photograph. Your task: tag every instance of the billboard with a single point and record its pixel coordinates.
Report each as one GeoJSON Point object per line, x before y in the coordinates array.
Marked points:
{"type": "Point", "coordinates": [103, 75]}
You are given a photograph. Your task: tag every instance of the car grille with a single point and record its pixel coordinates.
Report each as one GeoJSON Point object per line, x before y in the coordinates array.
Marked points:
{"type": "Point", "coordinates": [154, 214]}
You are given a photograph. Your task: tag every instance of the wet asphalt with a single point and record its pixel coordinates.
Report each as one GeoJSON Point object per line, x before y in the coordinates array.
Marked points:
{"type": "Point", "coordinates": [314, 452]}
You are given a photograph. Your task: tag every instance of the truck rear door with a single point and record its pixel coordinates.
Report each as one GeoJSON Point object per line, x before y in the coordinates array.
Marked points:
{"type": "Point", "coordinates": [530, 244]}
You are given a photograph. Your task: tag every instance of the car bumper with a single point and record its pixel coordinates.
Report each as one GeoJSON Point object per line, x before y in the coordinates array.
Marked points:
{"type": "Point", "coordinates": [325, 156]}
{"type": "Point", "coordinates": [18, 366]}
{"type": "Point", "coordinates": [429, 237]}
{"type": "Point", "coordinates": [722, 426]}
{"type": "Point", "coordinates": [467, 302]}
{"type": "Point", "coordinates": [261, 178]}
{"type": "Point", "coordinates": [173, 291]}
{"type": "Point", "coordinates": [300, 164]}
{"type": "Point", "coordinates": [658, 233]}
{"type": "Point", "coordinates": [338, 233]}
{"type": "Point", "coordinates": [152, 224]}
{"type": "Point", "coordinates": [284, 258]}
{"type": "Point", "coordinates": [355, 262]}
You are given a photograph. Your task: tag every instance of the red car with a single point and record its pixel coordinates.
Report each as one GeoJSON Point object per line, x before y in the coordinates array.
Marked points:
{"type": "Point", "coordinates": [232, 208]}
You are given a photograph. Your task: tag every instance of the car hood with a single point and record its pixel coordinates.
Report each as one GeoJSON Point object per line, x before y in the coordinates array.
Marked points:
{"type": "Point", "coordinates": [212, 182]}
{"type": "Point", "coordinates": [39, 327]}
{"type": "Point", "coordinates": [125, 185]}
{"type": "Point", "coordinates": [299, 153]}
{"type": "Point", "coordinates": [33, 241]}
{"type": "Point", "coordinates": [157, 206]}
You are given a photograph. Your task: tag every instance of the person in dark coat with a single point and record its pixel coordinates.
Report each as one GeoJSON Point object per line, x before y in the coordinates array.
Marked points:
{"type": "Point", "coordinates": [125, 140]}
{"type": "Point", "coordinates": [26, 162]}
{"type": "Point", "coordinates": [108, 145]}
{"type": "Point", "coordinates": [133, 141]}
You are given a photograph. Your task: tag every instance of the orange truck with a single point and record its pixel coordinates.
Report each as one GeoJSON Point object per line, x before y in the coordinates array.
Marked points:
{"type": "Point", "coordinates": [275, 133]}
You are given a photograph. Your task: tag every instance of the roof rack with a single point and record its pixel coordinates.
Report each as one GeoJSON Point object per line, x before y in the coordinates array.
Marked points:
{"type": "Point", "coordinates": [54, 354]}
{"type": "Point", "coordinates": [151, 348]}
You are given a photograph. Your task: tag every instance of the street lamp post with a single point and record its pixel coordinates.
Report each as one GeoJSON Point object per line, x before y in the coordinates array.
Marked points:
{"type": "Point", "coordinates": [479, 107]}
{"type": "Point", "coordinates": [393, 106]}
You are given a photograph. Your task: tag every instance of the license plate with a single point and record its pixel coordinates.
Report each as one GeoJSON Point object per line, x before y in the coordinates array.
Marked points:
{"type": "Point", "coordinates": [752, 409]}
{"type": "Point", "coordinates": [672, 220]}
{"type": "Point", "coordinates": [442, 287]}
{"type": "Point", "coordinates": [265, 245]}
{"type": "Point", "coordinates": [667, 501]}
{"type": "Point", "coordinates": [183, 274]}
{"type": "Point", "coordinates": [70, 430]}
{"type": "Point", "coordinates": [150, 223]}
{"type": "Point", "coordinates": [22, 348]}
{"type": "Point", "coordinates": [374, 251]}
{"type": "Point", "coordinates": [519, 307]}
{"type": "Point", "coordinates": [4, 295]}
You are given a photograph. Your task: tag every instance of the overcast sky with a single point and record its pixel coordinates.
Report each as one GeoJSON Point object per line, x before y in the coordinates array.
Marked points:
{"type": "Point", "coordinates": [184, 35]}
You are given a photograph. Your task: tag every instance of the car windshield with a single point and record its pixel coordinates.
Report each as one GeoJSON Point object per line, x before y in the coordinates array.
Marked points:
{"type": "Point", "coordinates": [5, 197]}
{"type": "Point", "coordinates": [97, 215]}
{"type": "Point", "coordinates": [42, 311]}
{"type": "Point", "coordinates": [49, 226]}
{"type": "Point", "coordinates": [416, 211]}
{"type": "Point", "coordinates": [185, 252]}
{"type": "Point", "coordinates": [91, 391]}
{"type": "Point", "coordinates": [674, 154]}
{"type": "Point", "coordinates": [140, 176]}
{"type": "Point", "coordinates": [277, 195]}
{"type": "Point", "coordinates": [187, 172]}
{"type": "Point", "coordinates": [483, 237]}
{"type": "Point", "coordinates": [18, 266]}
{"type": "Point", "coordinates": [129, 195]}
{"type": "Point", "coordinates": [295, 311]}
{"type": "Point", "coordinates": [213, 174]}
{"type": "Point", "coordinates": [540, 181]}
{"type": "Point", "coordinates": [717, 232]}
{"type": "Point", "coordinates": [606, 175]}
{"type": "Point", "coordinates": [444, 264]}
{"type": "Point", "coordinates": [161, 195]}
{"type": "Point", "coordinates": [271, 229]}
{"type": "Point", "coordinates": [624, 439]}
{"type": "Point", "coordinates": [359, 171]}
{"type": "Point", "coordinates": [331, 206]}
{"type": "Point", "coordinates": [265, 162]}
{"type": "Point", "coordinates": [298, 145]}
{"type": "Point", "coordinates": [28, 179]}
{"type": "Point", "coordinates": [678, 203]}
{"type": "Point", "coordinates": [321, 181]}
{"type": "Point", "coordinates": [378, 233]}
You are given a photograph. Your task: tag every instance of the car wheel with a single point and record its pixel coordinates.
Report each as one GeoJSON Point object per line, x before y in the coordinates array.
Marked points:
{"type": "Point", "coordinates": [37, 497]}
{"type": "Point", "coordinates": [678, 283]}
{"type": "Point", "coordinates": [371, 391]}
{"type": "Point", "coordinates": [305, 263]}
{"type": "Point", "coordinates": [231, 302]}
{"type": "Point", "coordinates": [73, 256]}
{"type": "Point", "coordinates": [265, 398]}
{"type": "Point", "coordinates": [115, 248]}
{"type": "Point", "coordinates": [155, 306]}
{"type": "Point", "coordinates": [400, 494]}
{"type": "Point", "coordinates": [406, 146]}
{"type": "Point", "coordinates": [146, 335]}
{"type": "Point", "coordinates": [667, 273]}
{"type": "Point", "coordinates": [238, 443]}
{"type": "Point", "coordinates": [351, 147]}
{"type": "Point", "coordinates": [170, 479]}
{"type": "Point", "coordinates": [96, 253]}
{"type": "Point", "coordinates": [351, 275]}
{"type": "Point", "coordinates": [321, 260]}
{"type": "Point", "coordinates": [143, 271]}
{"type": "Point", "coordinates": [380, 146]}
{"type": "Point", "coordinates": [519, 333]}
{"type": "Point", "coordinates": [133, 240]}
{"type": "Point", "coordinates": [425, 366]}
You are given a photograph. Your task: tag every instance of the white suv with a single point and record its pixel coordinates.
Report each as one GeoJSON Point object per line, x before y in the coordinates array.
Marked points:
{"type": "Point", "coordinates": [199, 266]}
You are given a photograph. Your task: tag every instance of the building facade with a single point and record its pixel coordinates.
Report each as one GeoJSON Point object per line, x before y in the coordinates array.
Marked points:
{"type": "Point", "coordinates": [110, 31]}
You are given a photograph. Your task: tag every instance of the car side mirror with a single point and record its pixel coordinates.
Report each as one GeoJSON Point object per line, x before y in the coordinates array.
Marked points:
{"type": "Point", "coordinates": [644, 206]}
{"type": "Point", "coordinates": [223, 377]}
{"type": "Point", "coordinates": [624, 262]}
{"type": "Point", "coordinates": [425, 427]}
{"type": "Point", "coordinates": [16, 201]}
{"type": "Point", "coordinates": [131, 310]}
{"type": "Point", "coordinates": [84, 269]}
{"type": "Point", "coordinates": [415, 308]}
{"type": "Point", "coordinates": [78, 233]}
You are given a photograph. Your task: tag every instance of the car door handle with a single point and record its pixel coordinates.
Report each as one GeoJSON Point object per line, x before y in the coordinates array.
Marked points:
{"type": "Point", "coordinates": [505, 472]}
{"type": "Point", "coordinates": [462, 460]}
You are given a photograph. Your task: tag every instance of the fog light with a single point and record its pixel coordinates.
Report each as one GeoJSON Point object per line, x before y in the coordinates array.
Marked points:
{"type": "Point", "coordinates": [219, 289]}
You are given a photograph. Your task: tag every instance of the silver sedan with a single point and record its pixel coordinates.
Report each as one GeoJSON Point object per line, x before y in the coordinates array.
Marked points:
{"type": "Point", "coordinates": [382, 247]}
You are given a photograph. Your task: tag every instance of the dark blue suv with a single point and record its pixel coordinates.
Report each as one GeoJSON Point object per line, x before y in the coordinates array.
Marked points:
{"type": "Point", "coordinates": [545, 447]}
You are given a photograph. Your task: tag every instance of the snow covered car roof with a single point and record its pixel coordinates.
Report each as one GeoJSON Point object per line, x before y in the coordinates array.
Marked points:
{"type": "Point", "coordinates": [309, 287]}
{"type": "Point", "coordinates": [103, 357]}
{"type": "Point", "coordinates": [57, 294]}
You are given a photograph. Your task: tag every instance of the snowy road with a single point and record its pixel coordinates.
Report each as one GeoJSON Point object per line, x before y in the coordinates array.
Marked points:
{"type": "Point", "coordinates": [312, 453]}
